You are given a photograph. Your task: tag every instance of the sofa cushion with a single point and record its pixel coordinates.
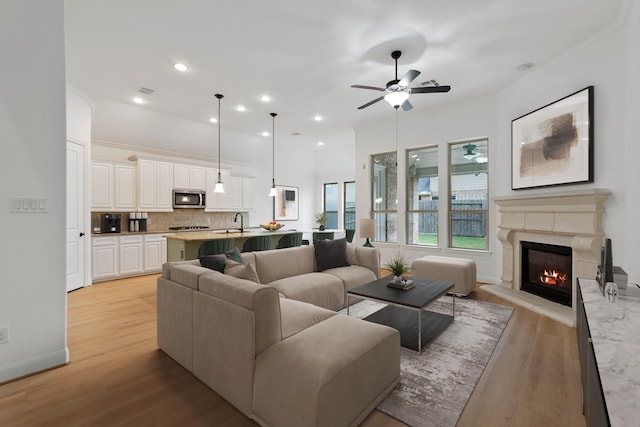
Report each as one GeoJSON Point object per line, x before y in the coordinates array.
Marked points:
{"type": "Point", "coordinates": [280, 263]}
{"type": "Point", "coordinates": [330, 254]}
{"type": "Point", "coordinates": [352, 276]}
{"type": "Point", "coordinates": [298, 316]}
{"type": "Point", "coordinates": [241, 270]}
{"type": "Point", "coordinates": [323, 290]}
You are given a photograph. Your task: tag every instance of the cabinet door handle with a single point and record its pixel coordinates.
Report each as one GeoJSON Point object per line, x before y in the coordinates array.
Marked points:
{"type": "Point", "coordinates": [81, 234]}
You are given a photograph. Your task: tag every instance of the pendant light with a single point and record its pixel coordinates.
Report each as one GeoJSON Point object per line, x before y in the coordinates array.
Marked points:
{"type": "Point", "coordinates": [272, 192]}
{"type": "Point", "coordinates": [219, 188]}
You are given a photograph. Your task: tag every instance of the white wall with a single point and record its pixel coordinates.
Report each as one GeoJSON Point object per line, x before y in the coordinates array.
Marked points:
{"type": "Point", "coordinates": [609, 62]}
{"type": "Point", "coordinates": [32, 131]}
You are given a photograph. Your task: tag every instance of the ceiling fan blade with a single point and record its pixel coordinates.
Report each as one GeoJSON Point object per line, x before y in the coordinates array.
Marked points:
{"type": "Point", "coordinates": [371, 102]}
{"type": "Point", "coordinates": [368, 87]}
{"type": "Point", "coordinates": [406, 105]}
{"type": "Point", "coordinates": [430, 89]}
{"type": "Point", "coordinates": [408, 78]}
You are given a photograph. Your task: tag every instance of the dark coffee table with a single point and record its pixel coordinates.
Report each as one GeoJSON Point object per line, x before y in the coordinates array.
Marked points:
{"type": "Point", "coordinates": [415, 335]}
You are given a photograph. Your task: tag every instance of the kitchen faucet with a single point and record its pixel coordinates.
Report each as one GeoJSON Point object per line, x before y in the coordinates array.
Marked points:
{"type": "Point", "coordinates": [235, 219]}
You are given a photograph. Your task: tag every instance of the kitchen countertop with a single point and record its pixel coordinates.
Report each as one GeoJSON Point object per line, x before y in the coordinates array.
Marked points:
{"type": "Point", "coordinates": [614, 329]}
{"type": "Point", "coordinates": [220, 234]}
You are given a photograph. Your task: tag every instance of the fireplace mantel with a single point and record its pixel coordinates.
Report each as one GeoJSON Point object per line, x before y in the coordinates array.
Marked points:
{"type": "Point", "coordinates": [572, 218]}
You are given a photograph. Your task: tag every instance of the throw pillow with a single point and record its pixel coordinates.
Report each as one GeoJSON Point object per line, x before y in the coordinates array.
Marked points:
{"type": "Point", "coordinates": [331, 254]}
{"type": "Point", "coordinates": [235, 255]}
{"type": "Point", "coordinates": [214, 262]}
{"type": "Point", "coordinates": [241, 271]}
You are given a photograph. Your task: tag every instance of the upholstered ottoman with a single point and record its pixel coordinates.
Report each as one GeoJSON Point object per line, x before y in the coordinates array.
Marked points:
{"type": "Point", "coordinates": [459, 271]}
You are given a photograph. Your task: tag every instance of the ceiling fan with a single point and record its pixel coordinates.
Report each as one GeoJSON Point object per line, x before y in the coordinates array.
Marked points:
{"type": "Point", "coordinates": [398, 91]}
{"type": "Point", "coordinates": [471, 154]}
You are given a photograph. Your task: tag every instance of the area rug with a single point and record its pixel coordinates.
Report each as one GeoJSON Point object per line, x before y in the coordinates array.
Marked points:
{"type": "Point", "coordinates": [434, 386]}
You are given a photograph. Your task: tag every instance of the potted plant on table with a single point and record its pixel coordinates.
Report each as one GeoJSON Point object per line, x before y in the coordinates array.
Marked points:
{"type": "Point", "coordinates": [397, 266]}
{"type": "Point", "coordinates": [322, 219]}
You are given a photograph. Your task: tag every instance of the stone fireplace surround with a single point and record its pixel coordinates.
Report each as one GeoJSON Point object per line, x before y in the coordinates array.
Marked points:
{"type": "Point", "coordinates": [572, 219]}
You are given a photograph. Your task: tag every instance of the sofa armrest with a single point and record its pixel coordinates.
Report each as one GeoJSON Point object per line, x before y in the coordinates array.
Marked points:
{"type": "Point", "coordinates": [369, 258]}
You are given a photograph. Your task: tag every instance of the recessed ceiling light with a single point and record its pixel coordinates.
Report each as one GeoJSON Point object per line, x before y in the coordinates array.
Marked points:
{"type": "Point", "coordinates": [265, 98]}
{"type": "Point", "coordinates": [414, 156]}
{"type": "Point", "coordinates": [241, 108]}
{"type": "Point", "coordinates": [181, 67]}
{"type": "Point", "coordinates": [320, 143]}
{"type": "Point", "coordinates": [265, 133]}
{"type": "Point", "coordinates": [525, 66]}
{"type": "Point", "coordinates": [318, 118]}
{"type": "Point", "coordinates": [138, 100]}
{"type": "Point", "coordinates": [213, 120]}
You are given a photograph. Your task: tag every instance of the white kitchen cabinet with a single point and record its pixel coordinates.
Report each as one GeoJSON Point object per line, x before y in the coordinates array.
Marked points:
{"type": "Point", "coordinates": [234, 193]}
{"type": "Point", "coordinates": [125, 187]}
{"type": "Point", "coordinates": [247, 194]}
{"type": "Point", "coordinates": [155, 185]}
{"type": "Point", "coordinates": [155, 252]}
{"type": "Point", "coordinates": [102, 186]}
{"type": "Point", "coordinates": [104, 258]}
{"type": "Point", "coordinates": [130, 255]}
{"type": "Point", "coordinates": [188, 177]}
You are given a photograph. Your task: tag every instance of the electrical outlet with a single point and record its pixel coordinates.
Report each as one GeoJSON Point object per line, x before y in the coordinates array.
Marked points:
{"type": "Point", "coordinates": [4, 335]}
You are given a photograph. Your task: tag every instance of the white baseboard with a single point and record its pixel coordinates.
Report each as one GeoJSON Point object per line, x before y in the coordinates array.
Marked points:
{"type": "Point", "coordinates": [34, 365]}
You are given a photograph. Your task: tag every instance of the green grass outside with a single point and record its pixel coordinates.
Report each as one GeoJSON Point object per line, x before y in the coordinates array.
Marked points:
{"type": "Point", "coordinates": [461, 242]}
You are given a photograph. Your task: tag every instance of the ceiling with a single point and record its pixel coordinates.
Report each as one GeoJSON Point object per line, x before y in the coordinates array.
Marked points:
{"type": "Point", "coordinates": [305, 56]}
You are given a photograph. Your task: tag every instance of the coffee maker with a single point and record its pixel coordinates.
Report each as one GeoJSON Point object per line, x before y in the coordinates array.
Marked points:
{"type": "Point", "coordinates": [110, 223]}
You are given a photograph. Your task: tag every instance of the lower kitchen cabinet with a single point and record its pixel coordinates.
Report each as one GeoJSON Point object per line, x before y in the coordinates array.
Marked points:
{"type": "Point", "coordinates": [155, 252]}
{"type": "Point", "coordinates": [104, 258]}
{"type": "Point", "coordinates": [129, 255]}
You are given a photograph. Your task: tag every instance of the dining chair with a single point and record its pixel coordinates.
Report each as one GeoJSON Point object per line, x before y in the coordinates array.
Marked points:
{"type": "Point", "coordinates": [349, 234]}
{"type": "Point", "coordinates": [257, 243]}
{"type": "Point", "coordinates": [215, 247]}
{"type": "Point", "coordinates": [322, 235]}
{"type": "Point", "coordinates": [290, 240]}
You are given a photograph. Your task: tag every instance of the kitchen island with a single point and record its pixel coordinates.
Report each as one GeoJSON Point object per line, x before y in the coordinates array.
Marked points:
{"type": "Point", "coordinates": [184, 246]}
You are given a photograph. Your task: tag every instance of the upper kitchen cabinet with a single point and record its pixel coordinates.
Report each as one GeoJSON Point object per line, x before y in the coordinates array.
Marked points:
{"type": "Point", "coordinates": [112, 186]}
{"type": "Point", "coordinates": [155, 185]}
{"type": "Point", "coordinates": [102, 186]}
{"type": "Point", "coordinates": [188, 177]}
{"type": "Point", "coordinates": [238, 194]}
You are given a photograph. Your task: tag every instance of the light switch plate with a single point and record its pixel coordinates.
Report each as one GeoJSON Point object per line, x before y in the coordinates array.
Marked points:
{"type": "Point", "coordinates": [28, 205]}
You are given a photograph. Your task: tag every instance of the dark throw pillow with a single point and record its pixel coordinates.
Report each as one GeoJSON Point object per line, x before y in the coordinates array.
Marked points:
{"type": "Point", "coordinates": [217, 262]}
{"type": "Point", "coordinates": [331, 254]}
{"type": "Point", "coordinates": [214, 262]}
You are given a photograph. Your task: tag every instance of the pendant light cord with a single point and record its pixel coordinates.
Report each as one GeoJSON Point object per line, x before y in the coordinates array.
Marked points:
{"type": "Point", "coordinates": [219, 98]}
{"type": "Point", "coordinates": [396, 107]}
{"type": "Point", "coordinates": [273, 148]}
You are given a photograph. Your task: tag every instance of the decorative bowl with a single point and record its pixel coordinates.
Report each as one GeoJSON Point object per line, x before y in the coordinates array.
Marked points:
{"type": "Point", "coordinates": [272, 227]}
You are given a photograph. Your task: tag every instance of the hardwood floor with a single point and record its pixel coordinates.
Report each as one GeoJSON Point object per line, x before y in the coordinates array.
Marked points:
{"type": "Point", "coordinates": [118, 377]}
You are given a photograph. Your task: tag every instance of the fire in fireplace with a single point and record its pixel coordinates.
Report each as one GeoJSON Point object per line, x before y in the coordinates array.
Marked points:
{"type": "Point", "coordinates": [546, 271]}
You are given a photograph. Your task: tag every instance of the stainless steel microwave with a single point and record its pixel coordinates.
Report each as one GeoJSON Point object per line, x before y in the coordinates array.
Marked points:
{"type": "Point", "coordinates": [188, 199]}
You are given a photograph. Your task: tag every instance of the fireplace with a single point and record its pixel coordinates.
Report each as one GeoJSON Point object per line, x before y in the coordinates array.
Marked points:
{"type": "Point", "coordinates": [546, 271]}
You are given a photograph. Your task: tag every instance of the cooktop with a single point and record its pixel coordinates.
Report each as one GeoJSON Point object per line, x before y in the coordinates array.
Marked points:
{"type": "Point", "coordinates": [189, 227]}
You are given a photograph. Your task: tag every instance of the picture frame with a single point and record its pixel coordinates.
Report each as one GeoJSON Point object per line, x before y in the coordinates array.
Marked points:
{"type": "Point", "coordinates": [286, 203]}
{"type": "Point", "coordinates": [553, 145]}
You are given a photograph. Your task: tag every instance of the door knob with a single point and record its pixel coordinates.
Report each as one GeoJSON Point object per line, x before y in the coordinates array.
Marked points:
{"type": "Point", "coordinates": [81, 234]}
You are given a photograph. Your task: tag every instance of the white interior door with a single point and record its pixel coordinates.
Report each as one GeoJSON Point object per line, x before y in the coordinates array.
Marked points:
{"type": "Point", "coordinates": [76, 218]}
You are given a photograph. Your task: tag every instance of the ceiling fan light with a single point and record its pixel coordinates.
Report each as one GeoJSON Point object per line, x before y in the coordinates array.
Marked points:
{"type": "Point", "coordinates": [396, 99]}
{"type": "Point", "coordinates": [469, 156]}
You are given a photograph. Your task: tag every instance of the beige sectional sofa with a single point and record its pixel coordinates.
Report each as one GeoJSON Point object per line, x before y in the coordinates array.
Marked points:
{"type": "Point", "coordinates": [277, 350]}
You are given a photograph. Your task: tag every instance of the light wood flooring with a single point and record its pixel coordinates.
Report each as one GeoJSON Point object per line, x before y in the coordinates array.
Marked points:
{"type": "Point", "coordinates": [118, 377]}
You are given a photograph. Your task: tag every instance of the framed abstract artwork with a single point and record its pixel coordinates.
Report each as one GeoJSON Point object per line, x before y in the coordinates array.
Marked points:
{"type": "Point", "coordinates": [553, 145]}
{"type": "Point", "coordinates": [286, 203]}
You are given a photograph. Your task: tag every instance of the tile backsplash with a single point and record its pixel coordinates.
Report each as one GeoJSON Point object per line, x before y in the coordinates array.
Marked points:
{"type": "Point", "coordinates": [161, 221]}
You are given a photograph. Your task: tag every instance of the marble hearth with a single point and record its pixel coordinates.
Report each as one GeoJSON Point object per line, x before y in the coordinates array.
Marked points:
{"type": "Point", "coordinates": [572, 219]}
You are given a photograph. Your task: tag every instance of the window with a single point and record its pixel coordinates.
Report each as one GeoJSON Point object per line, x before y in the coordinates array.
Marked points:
{"type": "Point", "coordinates": [349, 205]}
{"type": "Point", "coordinates": [468, 189]}
{"type": "Point", "coordinates": [384, 168]}
{"type": "Point", "coordinates": [331, 202]}
{"type": "Point", "coordinates": [422, 196]}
